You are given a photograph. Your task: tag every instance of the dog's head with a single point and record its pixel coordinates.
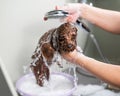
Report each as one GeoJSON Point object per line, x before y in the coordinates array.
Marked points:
{"type": "Point", "coordinates": [67, 34]}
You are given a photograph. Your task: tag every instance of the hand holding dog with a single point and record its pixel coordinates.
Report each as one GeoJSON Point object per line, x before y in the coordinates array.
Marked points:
{"type": "Point", "coordinates": [73, 56]}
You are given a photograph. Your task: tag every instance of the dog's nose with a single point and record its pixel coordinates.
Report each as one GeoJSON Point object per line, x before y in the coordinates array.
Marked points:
{"type": "Point", "coordinates": [70, 45]}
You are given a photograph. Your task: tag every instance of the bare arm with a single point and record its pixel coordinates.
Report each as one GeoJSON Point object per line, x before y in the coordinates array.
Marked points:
{"type": "Point", "coordinates": [107, 19]}
{"type": "Point", "coordinates": [107, 72]}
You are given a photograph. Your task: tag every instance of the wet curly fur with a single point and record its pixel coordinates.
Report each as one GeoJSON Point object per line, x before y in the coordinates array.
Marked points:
{"type": "Point", "coordinates": [61, 39]}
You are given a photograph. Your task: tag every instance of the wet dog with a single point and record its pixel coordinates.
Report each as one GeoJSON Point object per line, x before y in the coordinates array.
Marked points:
{"type": "Point", "coordinates": [61, 39]}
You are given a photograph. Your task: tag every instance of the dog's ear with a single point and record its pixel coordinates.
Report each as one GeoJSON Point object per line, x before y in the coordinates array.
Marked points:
{"type": "Point", "coordinates": [47, 51]}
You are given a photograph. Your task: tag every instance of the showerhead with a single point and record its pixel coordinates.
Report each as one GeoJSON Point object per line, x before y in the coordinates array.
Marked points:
{"type": "Point", "coordinates": [57, 14]}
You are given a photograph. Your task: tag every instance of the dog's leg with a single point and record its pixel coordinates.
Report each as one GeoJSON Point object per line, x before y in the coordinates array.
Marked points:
{"type": "Point", "coordinates": [47, 52]}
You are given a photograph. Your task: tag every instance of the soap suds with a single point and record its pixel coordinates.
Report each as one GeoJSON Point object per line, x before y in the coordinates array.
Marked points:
{"type": "Point", "coordinates": [58, 85]}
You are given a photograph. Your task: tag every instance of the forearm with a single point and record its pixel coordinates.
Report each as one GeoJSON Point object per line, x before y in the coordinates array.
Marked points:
{"type": "Point", "coordinates": [107, 72]}
{"type": "Point", "coordinates": [106, 19]}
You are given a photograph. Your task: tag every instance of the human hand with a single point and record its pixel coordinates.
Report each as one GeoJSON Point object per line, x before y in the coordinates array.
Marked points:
{"type": "Point", "coordinates": [73, 9]}
{"type": "Point", "coordinates": [72, 56]}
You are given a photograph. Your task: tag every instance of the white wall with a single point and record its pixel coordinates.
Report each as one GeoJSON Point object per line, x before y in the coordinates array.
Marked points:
{"type": "Point", "coordinates": [21, 25]}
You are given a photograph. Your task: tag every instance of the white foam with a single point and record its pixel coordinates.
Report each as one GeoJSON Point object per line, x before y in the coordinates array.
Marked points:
{"type": "Point", "coordinates": [58, 85]}
{"type": "Point", "coordinates": [94, 90]}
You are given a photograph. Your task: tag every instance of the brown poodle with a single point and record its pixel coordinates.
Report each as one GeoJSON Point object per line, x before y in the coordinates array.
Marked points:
{"type": "Point", "coordinates": [61, 39]}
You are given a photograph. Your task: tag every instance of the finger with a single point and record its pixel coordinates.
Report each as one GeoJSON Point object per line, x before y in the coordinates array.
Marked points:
{"type": "Point", "coordinates": [65, 8]}
{"type": "Point", "coordinates": [57, 7]}
{"type": "Point", "coordinates": [70, 18]}
{"type": "Point", "coordinates": [74, 18]}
